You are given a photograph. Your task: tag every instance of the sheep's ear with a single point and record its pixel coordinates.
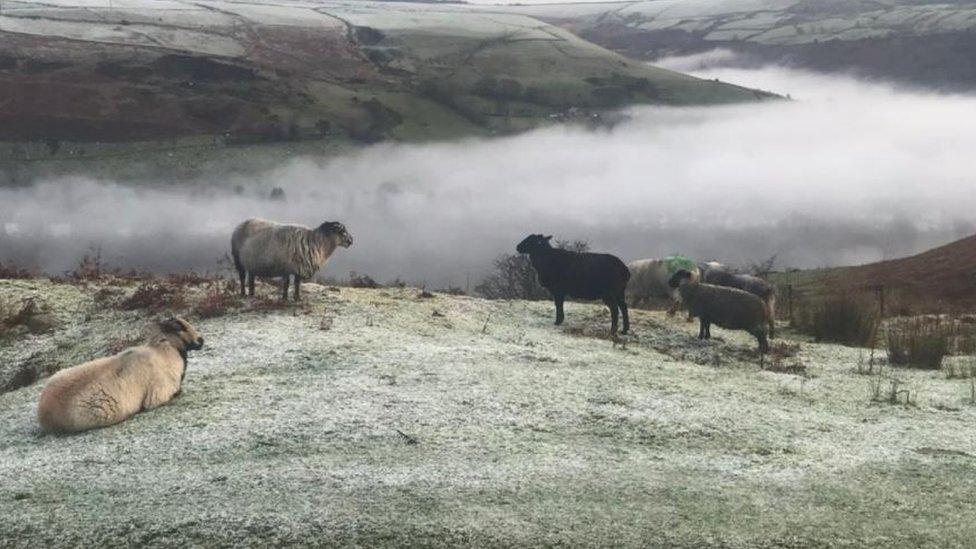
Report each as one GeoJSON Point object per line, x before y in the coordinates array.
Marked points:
{"type": "Point", "coordinates": [170, 326]}
{"type": "Point", "coordinates": [547, 238]}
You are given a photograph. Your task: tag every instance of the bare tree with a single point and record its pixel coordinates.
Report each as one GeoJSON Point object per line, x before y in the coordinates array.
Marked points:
{"type": "Point", "coordinates": [764, 267]}
{"type": "Point", "coordinates": [514, 277]}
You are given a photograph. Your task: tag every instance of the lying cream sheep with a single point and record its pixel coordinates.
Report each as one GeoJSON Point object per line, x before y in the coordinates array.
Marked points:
{"type": "Point", "coordinates": [110, 390]}
{"type": "Point", "coordinates": [265, 248]}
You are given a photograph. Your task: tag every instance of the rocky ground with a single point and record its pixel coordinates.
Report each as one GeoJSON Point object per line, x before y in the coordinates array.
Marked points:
{"type": "Point", "coordinates": [383, 417]}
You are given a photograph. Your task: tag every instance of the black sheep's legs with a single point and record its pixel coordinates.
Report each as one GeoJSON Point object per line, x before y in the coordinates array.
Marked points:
{"type": "Point", "coordinates": [298, 283]}
{"type": "Point", "coordinates": [250, 284]}
{"type": "Point", "coordinates": [284, 294]}
{"type": "Point", "coordinates": [626, 315]}
{"type": "Point", "coordinates": [763, 342]}
{"type": "Point", "coordinates": [708, 330]}
{"type": "Point", "coordinates": [559, 309]}
{"type": "Point", "coordinates": [612, 304]}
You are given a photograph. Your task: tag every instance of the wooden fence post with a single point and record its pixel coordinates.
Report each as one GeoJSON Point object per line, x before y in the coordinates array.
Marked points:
{"type": "Point", "coordinates": [789, 302]}
{"type": "Point", "coordinates": [881, 300]}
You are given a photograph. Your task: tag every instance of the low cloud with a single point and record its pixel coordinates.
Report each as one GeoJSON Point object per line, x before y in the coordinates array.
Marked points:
{"type": "Point", "coordinates": [844, 173]}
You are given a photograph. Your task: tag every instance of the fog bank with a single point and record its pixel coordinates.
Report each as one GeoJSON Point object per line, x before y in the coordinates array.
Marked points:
{"type": "Point", "coordinates": [844, 173]}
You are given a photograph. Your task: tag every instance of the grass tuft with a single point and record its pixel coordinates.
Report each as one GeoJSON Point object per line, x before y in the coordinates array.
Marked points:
{"type": "Point", "coordinates": [918, 342]}
{"type": "Point", "coordinates": [842, 319]}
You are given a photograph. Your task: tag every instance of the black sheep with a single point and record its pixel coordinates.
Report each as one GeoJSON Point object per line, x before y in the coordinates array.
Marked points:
{"type": "Point", "coordinates": [580, 275]}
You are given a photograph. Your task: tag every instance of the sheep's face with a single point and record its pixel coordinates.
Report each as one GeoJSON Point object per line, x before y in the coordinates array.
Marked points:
{"type": "Point", "coordinates": [534, 243]}
{"type": "Point", "coordinates": [681, 277]}
{"type": "Point", "coordinates": [338, 230]}
{"type": "Point", "coordinates": [183, 331]}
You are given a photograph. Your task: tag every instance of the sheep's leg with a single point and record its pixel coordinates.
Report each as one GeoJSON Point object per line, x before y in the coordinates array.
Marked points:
{"type": "Point", "coordinates": [250, 284]}
{"type": "Point", "coordinates": [701, 328]}
{"type": "Point", "coordinates": [243, 275]}
{"type": "Point", "coordinates": [708, 330]}
{"type": "Point", "coordinates": [559, 308]}
{"type": "Point", "coordinates": [626, 315]}
{"type": "Point", "coordinates": [612, 304]}
{"type": "Point", "coordinates": [298, 283]}
{"type": "Point", "coordinates": [763, 342]}
{"type": "Point", "coordinates": [284, 293]}
{"type": "Point", "coordinates": [673, 308]}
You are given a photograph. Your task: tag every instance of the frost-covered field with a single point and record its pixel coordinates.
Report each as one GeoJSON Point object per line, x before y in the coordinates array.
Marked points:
{"type": "Point", "coordinates": [458, 421]}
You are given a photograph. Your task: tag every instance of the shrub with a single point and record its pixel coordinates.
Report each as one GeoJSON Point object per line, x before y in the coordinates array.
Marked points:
{"type": "Point", "coordinates": [267, 303]}
{"type": "Point", "coordinates": [90, 266]}
{"type": "Point", "coordinates": [514, 277]}
{"type": "Point", "coordinates": [189, 278]}
{"type": "Point", "coordinates": [918, 343]}
{"type": "Point", "coordinates": [12, 272]}
{"type": "Point", "coordinates": [843, 319]}
{"type": "Point", "coordinates": [155, 297]}
{"type": "Point", "coordinates": [782, 350]}
{"type": "Point", "coordinates": [29, 314]}
{"type": "Point", "coordinates": [12, 316]}
{"type": "Point", "coordinates": [452, 290]}
{"type": "Point", "coordinates": [362, 281]}
{"type": "Point", "coordinates": [217, 302]}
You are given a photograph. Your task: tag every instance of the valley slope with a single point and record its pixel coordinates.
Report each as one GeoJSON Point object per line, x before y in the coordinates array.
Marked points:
{"type": "Point", "coordinates": [930, 44]}
{"type": "Point", "coordinates": [234, 72]}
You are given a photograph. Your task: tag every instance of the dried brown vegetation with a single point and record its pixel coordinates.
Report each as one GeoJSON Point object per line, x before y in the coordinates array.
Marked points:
{"type": "Point", "coordinates": [155, 297]}
{"type": "Point", "coordinates": [840, 318]}
{"type": "Point", "coordinates": [13, 272]}
{"type": "Point", "coordinates": [218, 301]}
{"type": "Point", "coordinates": [27, 315]}
{"type": "Point", "coordinates": [783, 359]}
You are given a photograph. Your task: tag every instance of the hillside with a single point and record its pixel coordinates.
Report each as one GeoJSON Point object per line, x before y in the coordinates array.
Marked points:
{"type": "Point", "coordinates": [226, 72]}
{"type": "Point", "coordinates": [942, 278]}
{"type": "Point", "coordinates": [384, 418]}
{"type": "Point", "coordinates": [915, 41]}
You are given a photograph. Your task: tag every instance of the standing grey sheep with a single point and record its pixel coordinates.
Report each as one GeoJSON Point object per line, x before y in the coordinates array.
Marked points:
{"type": "Point", "coordinates": [719, 275]}
{"type": "Point", "coordinates": [649, 280]}
{"type": "Point", "coordinates": [579, 274]}
{"type": "Point", "coordinates": [110, 390]}
{"type": "Point", "coordinates": [266, 248]}
{"type": "Point", "coordinates": [728, 307]}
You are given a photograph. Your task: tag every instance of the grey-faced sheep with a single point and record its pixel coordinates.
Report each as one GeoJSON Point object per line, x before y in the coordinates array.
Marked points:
{"type": "Point", "coordinates": [649, 280]}
{"type": "Point", "coordinates": [265, 248]}
{"type": "Point", "coordinates": [719, 275]}
{"type": "Point", "coordinates": [582, 275]}
{"type": "Point", "coordinates": [727, 307]}
{"type": "Point", "coordinates": [110, 390]}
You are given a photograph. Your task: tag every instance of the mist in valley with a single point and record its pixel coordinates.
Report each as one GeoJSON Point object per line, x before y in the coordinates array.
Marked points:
{"type": "Point", "coordinates": [846, 172]}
